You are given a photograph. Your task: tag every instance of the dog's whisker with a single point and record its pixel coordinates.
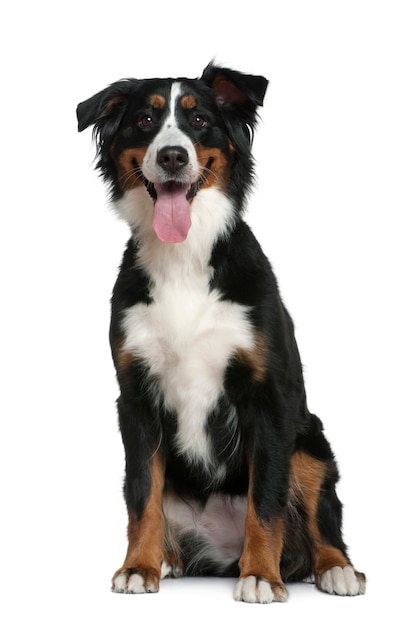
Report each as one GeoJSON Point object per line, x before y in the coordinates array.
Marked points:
{"type": "Point", "coordinates": [128, 175]}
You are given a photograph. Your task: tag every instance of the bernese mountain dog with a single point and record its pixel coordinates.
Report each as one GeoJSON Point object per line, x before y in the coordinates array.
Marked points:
{"type": "Point", "coordinates": [227, 471]}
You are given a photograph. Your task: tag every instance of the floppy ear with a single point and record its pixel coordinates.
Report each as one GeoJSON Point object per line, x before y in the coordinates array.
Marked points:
{"type": "Point", "coordinates": [108, 104]}
{"type": "Point", "coordinates": [238, 96]}
{"type": "Point", "coordinates": [234, 90]}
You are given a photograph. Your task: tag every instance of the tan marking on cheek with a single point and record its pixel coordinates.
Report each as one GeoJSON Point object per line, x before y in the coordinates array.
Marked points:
{"type": "Point", "coordinates": [188, 102]}
{"type": "Point", "coordinates": [157, 101]}
{"type": "Point", "coordinates": [255, 359]}
{"type": "Point", "coordinates": [214, 167]}
{"type": "Point", "coordinates": [127, 174]}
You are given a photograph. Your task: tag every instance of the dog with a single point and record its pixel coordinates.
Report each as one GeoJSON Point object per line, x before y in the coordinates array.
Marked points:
{"type": "Point", "coordinates": [227, 471]}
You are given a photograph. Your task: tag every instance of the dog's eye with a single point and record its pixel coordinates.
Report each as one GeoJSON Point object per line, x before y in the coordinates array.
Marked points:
{"type": "Point", "coordinates": [145, 120]}
{"type": "Point", "coordinates": [199, 121]}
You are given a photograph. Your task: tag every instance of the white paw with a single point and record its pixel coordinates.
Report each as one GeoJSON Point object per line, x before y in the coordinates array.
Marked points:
{"type": "Point", "coordinates": [341, 581]}
{"type": "Point", "coordinates": [166, 569]}
{"type": "Point", "coordinates": [170, 571]}
{"type": "Point", "coordinates": [133, 583]}
{"type": "Point", "coordinates": [252, 589]}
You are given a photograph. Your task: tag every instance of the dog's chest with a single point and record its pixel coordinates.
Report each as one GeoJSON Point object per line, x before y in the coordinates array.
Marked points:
{"type": "Point", "coordinates": [186, 337]}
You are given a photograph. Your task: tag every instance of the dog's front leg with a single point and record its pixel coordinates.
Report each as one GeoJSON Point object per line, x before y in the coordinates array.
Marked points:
{"type": "Point", "coordinates": [145, 475]}
{"type": "Point", "coordinates": [260, 578]}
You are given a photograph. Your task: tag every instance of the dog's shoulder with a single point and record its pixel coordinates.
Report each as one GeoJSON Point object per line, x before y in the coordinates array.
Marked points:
{"type": "Point", "coordinates": [132, 283]}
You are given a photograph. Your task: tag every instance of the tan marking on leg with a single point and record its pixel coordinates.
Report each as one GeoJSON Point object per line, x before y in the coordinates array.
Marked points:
{"type": "Point", "coordinates": [307, 476]}
{"type": "Point", "coordinates": [328, 557]}
{"type": "Point", "coordinates": [146, 534]}
{"type": "Point", "coordinates": [262, 549]}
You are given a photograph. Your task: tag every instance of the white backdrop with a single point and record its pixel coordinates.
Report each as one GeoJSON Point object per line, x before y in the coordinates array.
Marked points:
{"type": "Point", "coordinates": [333, 209]}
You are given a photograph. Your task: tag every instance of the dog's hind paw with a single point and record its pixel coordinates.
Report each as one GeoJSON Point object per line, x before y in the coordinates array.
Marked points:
{"type": "Point", "coordinates": [135, 581]}
{"type": "Point", "coordinates": [253, 589]}
{"type": "Point", "coordinates": [171, 570]}
{"type": "Point", "coordinates": [342, 581]}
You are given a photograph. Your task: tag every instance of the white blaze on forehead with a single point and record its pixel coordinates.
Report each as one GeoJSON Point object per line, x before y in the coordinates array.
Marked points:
{"type": "Point", "coordinates": [171, 120]}
{"type": "Point", "coordinates": [171, 135]}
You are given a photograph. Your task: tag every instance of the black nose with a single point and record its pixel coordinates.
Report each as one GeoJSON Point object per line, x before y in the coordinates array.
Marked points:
{"type": "Point", "coordinates": [172, 158]}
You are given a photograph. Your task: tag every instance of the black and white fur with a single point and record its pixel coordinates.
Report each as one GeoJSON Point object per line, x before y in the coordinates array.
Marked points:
{"type": "Point", "coordinates": [227, 472]}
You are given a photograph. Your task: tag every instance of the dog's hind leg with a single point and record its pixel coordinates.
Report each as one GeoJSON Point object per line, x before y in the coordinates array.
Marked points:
{"type": "Point", "coordinates": [313, 486]}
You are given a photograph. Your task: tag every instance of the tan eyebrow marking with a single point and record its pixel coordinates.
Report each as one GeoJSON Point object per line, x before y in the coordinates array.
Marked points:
{"type": "Point", "coordinates": [188, 102]}
{"type": "Point", "coordinates": [157, 101]}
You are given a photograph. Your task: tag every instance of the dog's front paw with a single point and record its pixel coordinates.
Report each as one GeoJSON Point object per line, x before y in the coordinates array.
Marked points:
{"type": "Point", "coordinates": [253, 589]}
{"type": "Point", "coordinates": [135, 581]}
{"type": "Point", "coordinates": [342, 581]}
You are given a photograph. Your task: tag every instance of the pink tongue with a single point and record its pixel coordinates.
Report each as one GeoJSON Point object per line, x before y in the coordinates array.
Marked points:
{"type": "Point", "coordinates": [171, 218]}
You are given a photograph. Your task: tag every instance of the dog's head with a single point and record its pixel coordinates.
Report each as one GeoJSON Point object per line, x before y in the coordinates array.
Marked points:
{"type": "Point", "coordinates": [176, 137]}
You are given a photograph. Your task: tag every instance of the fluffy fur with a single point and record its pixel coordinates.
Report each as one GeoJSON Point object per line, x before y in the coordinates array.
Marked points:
{"type": "Point", "coordinates": [227, 471]}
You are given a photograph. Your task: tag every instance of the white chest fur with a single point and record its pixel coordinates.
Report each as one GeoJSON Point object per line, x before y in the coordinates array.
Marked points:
{"type": "Point", "coordinates": [186, 336]}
